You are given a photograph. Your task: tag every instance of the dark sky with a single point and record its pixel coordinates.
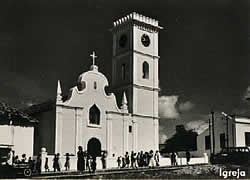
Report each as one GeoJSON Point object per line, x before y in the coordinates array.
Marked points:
{"type": "Point", "coordinates": [203, 48]}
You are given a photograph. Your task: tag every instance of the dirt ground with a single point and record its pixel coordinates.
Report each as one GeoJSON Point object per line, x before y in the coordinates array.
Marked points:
{"type": "Point", "coordinates": [189, 172]}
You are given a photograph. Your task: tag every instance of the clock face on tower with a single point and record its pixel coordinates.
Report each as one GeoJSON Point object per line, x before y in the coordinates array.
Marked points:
{"type": "Point", "coordinates": [145, 40]}
{"type": "Point", "coordinates": [123, 40]}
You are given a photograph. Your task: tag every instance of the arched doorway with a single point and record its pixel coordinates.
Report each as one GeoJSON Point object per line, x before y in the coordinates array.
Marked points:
{"type": "Point", "coordinates": [94, 147]}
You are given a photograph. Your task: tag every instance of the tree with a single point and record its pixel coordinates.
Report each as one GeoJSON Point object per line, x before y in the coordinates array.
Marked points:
{"type": "Point", "coordinates": [182, 140]}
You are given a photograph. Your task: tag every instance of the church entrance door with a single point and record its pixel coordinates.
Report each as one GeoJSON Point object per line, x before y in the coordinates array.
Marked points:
{"type": "Point", "coordinates": [94, 147]}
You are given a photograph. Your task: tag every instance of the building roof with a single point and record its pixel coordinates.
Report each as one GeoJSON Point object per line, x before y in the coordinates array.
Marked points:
{"type": "Point", "coordinates": [42, 107]}
{"type": "Point", "coordinates": [13, 116]}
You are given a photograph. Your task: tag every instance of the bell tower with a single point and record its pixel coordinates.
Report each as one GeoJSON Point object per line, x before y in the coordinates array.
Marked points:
{"type": "Point", "coordinates": [135, 63]}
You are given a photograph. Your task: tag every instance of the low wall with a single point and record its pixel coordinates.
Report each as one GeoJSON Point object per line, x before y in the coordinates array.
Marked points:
{"type": "Point", "coordinates": [166, 161]}
{"type": "Point", "coordinates": [112, 161]}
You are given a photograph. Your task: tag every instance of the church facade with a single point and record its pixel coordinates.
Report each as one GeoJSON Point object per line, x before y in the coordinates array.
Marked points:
{"type": "Point", "coordinates": [122, 121]}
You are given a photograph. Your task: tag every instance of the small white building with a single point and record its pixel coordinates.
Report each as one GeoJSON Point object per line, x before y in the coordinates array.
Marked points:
{"type": "Point", "coordinates": [235, 133]}
{"type": "Point", "coordinates": [16, 131]}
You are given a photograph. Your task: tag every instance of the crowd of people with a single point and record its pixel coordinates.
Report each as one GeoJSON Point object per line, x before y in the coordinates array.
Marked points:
{"type": "Point", "coordinates": [34, 165]}
{"type": "Point", "coordinates": [87, 162]}
{"type": "Point", "coordinates": [140, 159]}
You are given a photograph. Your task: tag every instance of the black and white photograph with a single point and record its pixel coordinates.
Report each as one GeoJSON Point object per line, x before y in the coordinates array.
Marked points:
{"type": "Point", "coordinates": [124, 89]}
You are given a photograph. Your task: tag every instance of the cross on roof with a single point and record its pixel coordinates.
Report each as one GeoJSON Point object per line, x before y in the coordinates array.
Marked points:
{"type": "Point", "coordinates": [93, 57]}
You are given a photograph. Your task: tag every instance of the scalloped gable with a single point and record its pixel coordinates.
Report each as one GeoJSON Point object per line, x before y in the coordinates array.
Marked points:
{"type": "Point", "coordinates": [94, 84]}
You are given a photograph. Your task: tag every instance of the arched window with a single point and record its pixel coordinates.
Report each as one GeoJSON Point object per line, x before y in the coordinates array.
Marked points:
{"type": "Point", "coordinates": [81, 86]}
{"type": "Point", "coordinates": [123, 71]}
{"type": "Point", "coordinates": [95, 85]}
{"type": "Point", "coordinates": [94, 115]}
{"type": "Point", "coordinates": [145, 70]}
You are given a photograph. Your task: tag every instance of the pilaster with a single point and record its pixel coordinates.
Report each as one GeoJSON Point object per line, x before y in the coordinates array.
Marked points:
{"type": "Point", "coordinates": [78, 127]}
{"type": "Point", "coordinates": [125, 133]}
{"type": "Point", "coordinates": [135, 134]}
{"type": "Point", "coordinates": [58, 127]}
{"type": "Point", "coordinates": [156, 134]}
{"type": "Point", "coordinates": [109, 134]}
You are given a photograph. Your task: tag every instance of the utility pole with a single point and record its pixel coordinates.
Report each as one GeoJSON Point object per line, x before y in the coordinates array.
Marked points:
{"type": "Point", "coordinates": [227, 134]}
{"type": "Point", "coordinates": [212, 112]}
{"type": "Point", "coordinates": [227, 118]}
{"type": "Point", "coordinates": [209, 125]}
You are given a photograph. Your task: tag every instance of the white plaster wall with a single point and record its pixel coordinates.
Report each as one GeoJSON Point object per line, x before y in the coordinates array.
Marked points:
{"type": "Point", "coordinates": [240, 131]}
{"type": "Point", "coordinates": [21, 137]}
{"type": "Point", "coordinates": [24, 140]}
{"type": "Point", "coordinates": [144, 102]}
{"type": "Point", "coordinates": [156, 104]}
{"type": "Point", "coordinates": [5, 135]}
{"type": "Point", "coordinates": [138, 46]}
{"type": "Point", "coordinates": [117, 138]}
{"type": "Point", "coordinates": [201, 145]}
{"type": "Point", "coordinates": [130, 137]}
{"type": "Point", "coordinates": [68, 131]}
{"type": "Point", "coordinates": [219, 128]}
{"type": "Point", "coordinates": [99, 132]}
{"type": "Point", "coordinates": [145, 134]}
{"type": "Point", "coordinates": [138, 70]}
{"type": "Point", "coordinates": [117, 76]}
{"type": "Point", "coordinates": [87, 98]}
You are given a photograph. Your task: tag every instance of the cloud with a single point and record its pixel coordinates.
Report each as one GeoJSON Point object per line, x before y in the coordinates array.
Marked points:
{"type": "Point", "coordinates": [28, 103]}
{"type": "Point", "coordinates": [186, 106]}
{"type": "Point", "coordinates": [163, 138]}
{"type": "Point", "coordinates": [198, 126]}
{"type": "Point", "coordinates": [167, 107]}
{"type": "Point", "coordinates": [162, 135]}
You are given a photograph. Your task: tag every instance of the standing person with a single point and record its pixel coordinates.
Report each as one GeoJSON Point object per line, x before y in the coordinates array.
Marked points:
{"type": "Point", "coordinates": [23, 158]}
{"type": "Point", "coordinates": [88, 163]}
{"type": "Point", "coordinates": [188, 156]}
{"type": "Point", "coordinates": [127, 159]}
{"type": "Point", "coordinates": [132, 159]}
{"type": "Point", "coordinates": [135, 160]}
{"type": "Point", "coordinates": [59, 165]}
{"type": "Point", "coordinates": [176, 158]}
{"type": "Point", "coordinates": [80, 160]}
{"type": "Point", "coordinates": [67, 162]}
{"type": "Point", "coordinates": [146, 160]}
{"type": "Point", "coordinates": [31, 164]}
{"type": "Point", "coordinates": [123, 162]}
{"type": "Point", "coordinates": [93, 164]}
{"type": "Point", "coordinates": [138, 159]}
{"type": "Point", "coordinates": [16, 159]}
{"type": "Point", "coordinates": [54, 163]}
{"type": "Point", "coordinates": [38, 163]}
{"type": "Point", "coordinates": [103, 159]}
{"type": "Point", "coordinates": [10, 158]}
{"type": "Point", "coordinates": [172, 158]}
{"type": "Point", "coordinates": [46, 166]}
{"type": "Point", "coordinates": [157, 158]}
{"type": "Point", "coordinates": [151, 158]}
{"type": "Point", "coordinates": [142, 159]}
{"type": "Point", "coordinates": [119, 161]}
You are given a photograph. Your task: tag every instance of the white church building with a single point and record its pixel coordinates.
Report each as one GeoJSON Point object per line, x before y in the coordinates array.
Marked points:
{"type": "Point", "coordinates": [123, 121]}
